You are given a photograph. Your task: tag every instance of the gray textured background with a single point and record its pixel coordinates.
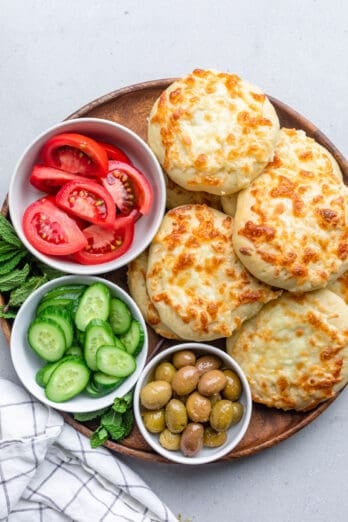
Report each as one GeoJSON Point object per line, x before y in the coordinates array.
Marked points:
{"type": "Point", "coordinates": [56, 56]}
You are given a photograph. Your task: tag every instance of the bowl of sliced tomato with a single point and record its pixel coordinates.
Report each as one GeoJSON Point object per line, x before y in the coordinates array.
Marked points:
{"type": "Point", "coordinates": [87, 196]}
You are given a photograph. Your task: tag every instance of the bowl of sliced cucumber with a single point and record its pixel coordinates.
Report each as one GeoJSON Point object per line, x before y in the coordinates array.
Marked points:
{"type": "Point", "coordinates": [78, 342]}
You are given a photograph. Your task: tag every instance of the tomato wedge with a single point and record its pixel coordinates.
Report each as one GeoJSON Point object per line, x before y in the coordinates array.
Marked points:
{"type": "Point", "coordinates": [75, 153]}
{"type": "Point", "coordinates": [104, 245]}
{"type": "Point", "coordinates": [48, 179]}
{"type": "Point", "coordinates": [89, 201]}
{"type": "Point", "coordinates": [114, 153]}
{"type": "Point", "coordinates": [50, 230]}
{"type": "Point", "coordinates": [129, 188]}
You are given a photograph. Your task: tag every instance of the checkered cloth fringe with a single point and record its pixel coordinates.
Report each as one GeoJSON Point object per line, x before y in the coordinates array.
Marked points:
{"type": "Point", "coordinates": [49, 473]}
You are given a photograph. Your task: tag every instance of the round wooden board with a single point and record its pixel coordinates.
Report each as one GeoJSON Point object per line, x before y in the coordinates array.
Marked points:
{"type": "Point", "coordinates": [131, 106]}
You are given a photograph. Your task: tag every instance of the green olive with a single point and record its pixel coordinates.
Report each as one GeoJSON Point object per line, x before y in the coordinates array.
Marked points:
{"type": "Point", "coordinates": [233, 388]}
{"type": "Point", "coordinates": [221, 416]}
{"type": "Point", "coordinates": [154, 420]}
{"type": "Point", "coordinates": [176, 416]}
{"type": "Point", "coordinates": [155, 395]}
{"type": "Point", "coordinates": [198, 407]}
{"type": "Point", "coordinates": [169, 440]}
{"type": "Point", "coordinates": [165, 372]}
{"type": "Point", "coordinates": [185, 380]}
{"type": "Point", "coordinates": [183, 358]}
{"type": "Point", "coordinates": [208, 362]}
{"type": "Point", "coordinates": [211, 382]}
{"type": "Point", "coordinates": [212, 438]}
{"type": "Point", "coordinates": [237, 412]}
{"type": "Point", "coordinates": [214, 398]}
{"type": "Point", "coordinates": [192, 439]}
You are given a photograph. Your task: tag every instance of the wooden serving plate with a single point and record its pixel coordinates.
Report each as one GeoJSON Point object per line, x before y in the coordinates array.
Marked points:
{"type": "Point", "coordinates": [131, 106]}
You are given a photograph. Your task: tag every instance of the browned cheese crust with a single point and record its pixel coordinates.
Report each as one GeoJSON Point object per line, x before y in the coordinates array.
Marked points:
{"type": "Point", "coordinates": [295, 351]}
{"type": "Point", "coordinates": [291, 222]}
{"type": "Point", "coordinates": [194, 278]}
{"type": "Point", "coordinates": [213, 131]}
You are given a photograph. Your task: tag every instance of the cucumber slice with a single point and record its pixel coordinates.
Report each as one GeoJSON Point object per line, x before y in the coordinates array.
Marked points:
{"type": "Point", "coordinates": [120, 316]}
{"type": "Point", "coordinates": [115, 362]}
{"type": "Point", "coordinates": [47, 339]}
{"type": "Point", "coordinates": [92, 391]}
{"type": "Point", "coordinates": [133, 340]}
{"type": "Point", "coordinates": [94, 304]}
{"type": "Point", "coordinates": [45, 373]}
{"type": "Point", "coordinates": [69, 379]}
{"type": "Point", "coordinates": [74, 350]}
{"type": "Point", "coordinates": [106, 383]}
{"type": "Point", "coordinates": [62, 316]}
{"type": "Point", "coordinates": [98, 333]}
{"type": "Point", "coordinates": [61, 303]}
{"type": "Point", "coordinates": [65, 292]}
{"type": "Point", "coordinates": [119, 344]}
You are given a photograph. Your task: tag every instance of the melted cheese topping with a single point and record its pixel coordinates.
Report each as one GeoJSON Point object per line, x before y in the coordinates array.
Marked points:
{"type": "Point", "coordinates": [194, 278]}
{"type": "Point", "coordinates": [213, 132]}
{"type": "Point", "coordinates": [136, 278]}
{"type": "Point", "coordinates": [295, 352]}
{"type": "Point", "coordinates": [291, 222]}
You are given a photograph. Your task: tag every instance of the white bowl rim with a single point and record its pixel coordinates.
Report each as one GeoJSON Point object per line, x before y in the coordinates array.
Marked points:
{"type": "Point", "coordinates": [177, 457]}
{"type": "Point", "coordinates": [93, 403]}
{"type": "Point", "coordinates": [76, 268]}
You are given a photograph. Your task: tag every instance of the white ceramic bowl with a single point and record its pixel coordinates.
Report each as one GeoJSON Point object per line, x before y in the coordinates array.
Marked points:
{"type": "Point", "coordinates": [27, 363]}
{"type": "Point", "coordinates": [235, 433]}
{"type": "Point", "coordinates": [22, 193]}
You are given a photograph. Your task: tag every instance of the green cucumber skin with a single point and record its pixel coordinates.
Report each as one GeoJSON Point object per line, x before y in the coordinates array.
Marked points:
{"type": "Point", "coordinates": [98, 333]}
{"type": "Point", "coordinates": [133, 340]}
{"type": "Point", "coordinates": [86, 309]}
{"type": "Point", "coordinates": [65, 292]}
{"type": "Point", "coordinates": [63, 317]}
{"type": "Point", "coordinates": [43, 354]}
{"type": "Point", "coordinates": [75, 350]}
{"type": "Point", "coordinates": [57, 389]}
{"type": "Point", "coordinates": [64, 303]}
{"type": "Point", "coordinates": [45, 372]}
{"type": "Point", "coordinates": [120, 316]}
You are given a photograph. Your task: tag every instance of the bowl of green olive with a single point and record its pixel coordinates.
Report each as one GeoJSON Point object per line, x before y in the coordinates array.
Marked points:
{"type": "Point", "coordinates": [192, 403]}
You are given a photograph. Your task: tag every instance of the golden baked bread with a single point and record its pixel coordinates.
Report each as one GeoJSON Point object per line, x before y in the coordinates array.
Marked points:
{"type": "Point", "coordinates": [340, 287]}
{"type": "Point", "coordinates": [213, 131]}
{"type": "Point", "coordinates": [136, 279]}
{"type": "Point", "coordinates": [177, 196]}
{"type": "Point", "coordinates": [291, 222]}
{"type": "Point", "coordinates": [194, 279]}
{"type": "Point", "coordinates": [295, 351]}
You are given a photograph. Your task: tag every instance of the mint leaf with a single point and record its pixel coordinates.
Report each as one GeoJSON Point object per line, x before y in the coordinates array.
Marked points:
{"type": "Point", "coordinates": [8, 233]}
{"type": "Point", "coordinates": [19, 295]}
{"type": "Point", "coordinates": [112, 422]}
{"type": "Point", "coordinates": [122, 404]}
{"type": "Point", "coordinates": [86, 416]}
{"type": "Point", "coordinates": [6, 247]}
{"type": "Point", "coordinates": [7, 267]}
{"type": "Point", "coordinates": [14, 279]}
{"type": "Point", "coordinates": [98, 437]}
{"type": "Point", "coordinates": [128, 421]}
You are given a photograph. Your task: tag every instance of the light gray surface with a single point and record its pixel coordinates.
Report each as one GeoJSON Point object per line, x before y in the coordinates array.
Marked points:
{"type": "Point", "coordinates": [57, 55]}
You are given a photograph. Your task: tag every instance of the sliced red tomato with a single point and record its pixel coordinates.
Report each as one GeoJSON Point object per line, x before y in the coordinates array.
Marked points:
{"type": "Point", "coordinates": [50, 230]}
{"type": "Point", "coordinates": [75, 153]}
{"type": "Point", "coordinates": [129, 188]}
{"type": "Point", "coordinates": [104, 245]}
{"type": "Point", "coordinates": [114, 153]}
{"type": "Point", "coordinates": [48, 179]}
{"type": "Point", "coordinates": [88, 201]}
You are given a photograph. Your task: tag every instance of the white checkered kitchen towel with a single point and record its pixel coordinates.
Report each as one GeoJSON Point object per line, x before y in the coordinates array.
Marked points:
{"type": "Point", "coordinates": [49, 473]}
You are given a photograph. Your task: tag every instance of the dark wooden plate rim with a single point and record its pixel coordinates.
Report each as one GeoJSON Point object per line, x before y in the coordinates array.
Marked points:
{"type": "Point", "coordinates": [307, 418]}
